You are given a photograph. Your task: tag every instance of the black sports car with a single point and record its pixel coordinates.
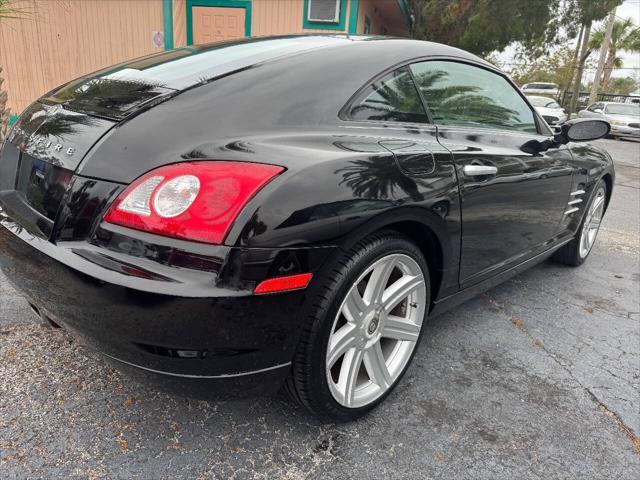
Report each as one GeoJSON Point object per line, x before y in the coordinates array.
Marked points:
{"type": "Point", "coordinates": [232, 217]}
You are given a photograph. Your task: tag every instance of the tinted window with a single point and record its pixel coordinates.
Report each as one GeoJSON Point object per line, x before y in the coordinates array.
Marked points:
{"type": "Point", "coordinates": [542, 86]}
{"type": "Point", "coordinates": [393, 98]}
{"type": "Point", "coordinates": [622, 109]}
{"type": "Point", "coordinates": [543, 102]}
{"type": "Point", "coordinates": [461, 94]}
{"type": "Point", "coordinates": [185, 67]}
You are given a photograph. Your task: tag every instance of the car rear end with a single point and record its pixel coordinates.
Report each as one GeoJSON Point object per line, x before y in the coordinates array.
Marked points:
{"type": "Point", "coordinates": [194, 310]}
{"type": "Point", "coordinates": [185, 310]}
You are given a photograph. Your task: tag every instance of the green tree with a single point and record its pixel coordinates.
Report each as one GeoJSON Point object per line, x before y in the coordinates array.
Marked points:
{"type": "Point", "coordinates": [484, 26]}
{"type": "Point", "coordinates": [623, 85]}
{"type": "Point", "coordinates": [625, 36]}
{"type": "Point", "coordinates": [584, 12]}
{"type": "Point", "coordinates": [557, 67]}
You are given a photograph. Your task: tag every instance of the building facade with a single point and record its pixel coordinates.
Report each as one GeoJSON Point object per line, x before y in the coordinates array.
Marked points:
{"type": "Point", "coordinates": [56, 41]}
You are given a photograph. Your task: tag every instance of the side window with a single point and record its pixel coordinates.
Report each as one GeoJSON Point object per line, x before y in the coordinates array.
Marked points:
{"type": "Point", "coordinates": [393, 98]}
{"type": "Point", "coordinates": [465, 95]}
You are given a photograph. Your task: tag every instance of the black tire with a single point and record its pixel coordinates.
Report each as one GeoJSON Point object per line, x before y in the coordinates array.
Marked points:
{"type": "Point", "coordinates": [308, 381]}
{"type": "Point", "coordinates": [570, 253]}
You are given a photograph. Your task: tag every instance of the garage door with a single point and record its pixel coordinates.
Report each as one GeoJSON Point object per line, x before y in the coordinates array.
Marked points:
{"type": "Point", "coordinates": [211, 24]}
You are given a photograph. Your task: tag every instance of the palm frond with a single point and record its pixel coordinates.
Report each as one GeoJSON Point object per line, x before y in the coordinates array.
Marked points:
{"type": "Point", "coordinates": [8, 10]}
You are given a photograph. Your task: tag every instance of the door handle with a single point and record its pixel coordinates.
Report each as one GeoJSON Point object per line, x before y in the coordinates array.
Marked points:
{"type": "Point", "coordinates": [479, 170]}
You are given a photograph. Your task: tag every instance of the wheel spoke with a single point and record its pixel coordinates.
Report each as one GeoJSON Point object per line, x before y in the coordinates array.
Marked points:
{"type": "Point", "coordinates": [584, 242]}
{"type": "Point", "coordinates": [349, 374]}
{"type": "Point", "coordinates": [598, 203]}
{"type": "Point", "coordinates": [592, 224]}
{"type": "Point", "coordinates": [376, 366]}
{"type": "Point", "coordinates": [340, 342]}
{"type": "Point", "coordinates": [378, 280]}
{"type": "Point", "coordinates": [358, 366]}
{"type": "Point", "coordinates": [400, 289]}
{"type": "Point", "coordinates": [354, 306]}
{"type": "Point", "coordinates": [400, 329]}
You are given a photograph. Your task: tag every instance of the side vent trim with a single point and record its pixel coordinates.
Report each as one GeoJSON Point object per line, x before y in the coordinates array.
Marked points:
{"type": "Point", "coordinates": [575, 201]}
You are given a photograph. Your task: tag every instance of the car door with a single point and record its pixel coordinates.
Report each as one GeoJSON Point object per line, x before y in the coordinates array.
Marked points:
{"type": "Point", "coordinates": [400, 164]}
{"type": "Point", "coordinates": [513, 195]}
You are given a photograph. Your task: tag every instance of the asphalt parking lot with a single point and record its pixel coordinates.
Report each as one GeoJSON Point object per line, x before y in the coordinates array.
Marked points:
{"type": "Point", "coordinates": [538, 378]}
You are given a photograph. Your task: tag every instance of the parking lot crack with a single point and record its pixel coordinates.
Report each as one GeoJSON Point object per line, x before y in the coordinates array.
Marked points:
{"type": "Point", "coordinates": [628, 431]}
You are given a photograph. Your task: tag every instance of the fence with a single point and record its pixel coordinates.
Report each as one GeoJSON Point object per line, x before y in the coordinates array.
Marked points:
{"type": "Point", "coordinates": [583, 98]}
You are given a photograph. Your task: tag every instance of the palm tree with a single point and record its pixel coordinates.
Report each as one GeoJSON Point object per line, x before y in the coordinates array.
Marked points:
{"type": "Point", "coordinates": [6, 11]}
{"type": "Point", "coordinates": [4, 111]}
{"type": "Point", "coordinates": [625, 36]}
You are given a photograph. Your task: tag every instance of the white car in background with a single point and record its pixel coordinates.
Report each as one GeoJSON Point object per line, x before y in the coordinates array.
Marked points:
{"type": "Point", "coordinates": [549, 109]}
{"type": "Point", "coordinates": [541, 88]}
{"type": "Point", "coordinates": [623, 117]}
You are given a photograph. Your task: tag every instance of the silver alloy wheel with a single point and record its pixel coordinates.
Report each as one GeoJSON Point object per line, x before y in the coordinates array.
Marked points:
{"type": "Point", "coordinates": [376, 330]}
{"type": "Point", "coordinates": [592, 223]}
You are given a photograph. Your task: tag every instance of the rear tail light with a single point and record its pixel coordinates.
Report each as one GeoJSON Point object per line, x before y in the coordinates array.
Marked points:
{"type": "Point", "coordinates": [196, 201]}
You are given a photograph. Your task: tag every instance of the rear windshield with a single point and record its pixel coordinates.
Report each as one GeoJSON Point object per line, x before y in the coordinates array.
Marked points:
{"type": "Point", "coordinates": [622, 109]}
{"type": "Point", "coordinates": [542, 86]}
{"type": "Point", "coordinates": [180, 68]}
{"type": "Point", "coordinates": [543, 102]}
{"type": "Point", "coordinates": [115, 91]}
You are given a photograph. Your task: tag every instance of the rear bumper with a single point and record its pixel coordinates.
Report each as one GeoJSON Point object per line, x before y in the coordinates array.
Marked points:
{"type": "Point", "coordinates": [196, 330]}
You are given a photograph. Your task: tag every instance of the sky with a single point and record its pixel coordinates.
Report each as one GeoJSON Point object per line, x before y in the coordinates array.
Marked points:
{"type": "Point", "coordinates": [631, 67]}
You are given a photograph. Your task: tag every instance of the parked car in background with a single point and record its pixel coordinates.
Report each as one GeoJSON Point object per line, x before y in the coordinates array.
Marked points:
{"type": "Point", "coordinates": [541, 88]}
{"type": "Point", "coordinates": [231, 217]}
{"type": "Point", "coordinates": [550, 110]}
{"type": "Point", "coordinates": [623, 117]}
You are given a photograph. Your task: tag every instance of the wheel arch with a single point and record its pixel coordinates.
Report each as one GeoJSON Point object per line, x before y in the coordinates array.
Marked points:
{"type": "Point", "coordinates": [430, 247]}
{"type": "Point", "coordinates": [425, 228]}
{"type": "Point", "coordinates": [608, 180]}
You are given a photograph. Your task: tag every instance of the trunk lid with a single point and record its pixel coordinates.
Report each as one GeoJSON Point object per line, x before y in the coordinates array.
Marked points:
{"type": "Point", "coordinates": [38, 162]}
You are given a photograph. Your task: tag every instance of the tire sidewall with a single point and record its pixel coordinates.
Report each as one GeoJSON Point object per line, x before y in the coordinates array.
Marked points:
{"type": "Point", "coordinates": [354, 267]}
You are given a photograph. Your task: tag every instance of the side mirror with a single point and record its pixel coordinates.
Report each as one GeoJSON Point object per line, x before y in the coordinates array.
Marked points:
{"type": "Point", "coordinates": [598, 110]}
{"type": "Point", "coordinates": [576, 130]}
{"type": "Point", "coordinates": [582, 130]}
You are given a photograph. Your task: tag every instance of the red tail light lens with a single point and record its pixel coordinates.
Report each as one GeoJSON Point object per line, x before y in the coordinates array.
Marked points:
{"type": "Point", "coordinates": [196, 201]}
{"type": "Point", "coordinates": [283, 284]}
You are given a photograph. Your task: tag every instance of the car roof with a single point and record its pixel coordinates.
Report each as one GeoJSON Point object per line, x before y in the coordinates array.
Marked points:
{"type": "Point", "coordinates": [182, 68]}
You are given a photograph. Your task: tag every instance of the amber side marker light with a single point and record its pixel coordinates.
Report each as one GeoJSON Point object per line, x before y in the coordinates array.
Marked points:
{"type": "Point", "coordinates": [283, 284]}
